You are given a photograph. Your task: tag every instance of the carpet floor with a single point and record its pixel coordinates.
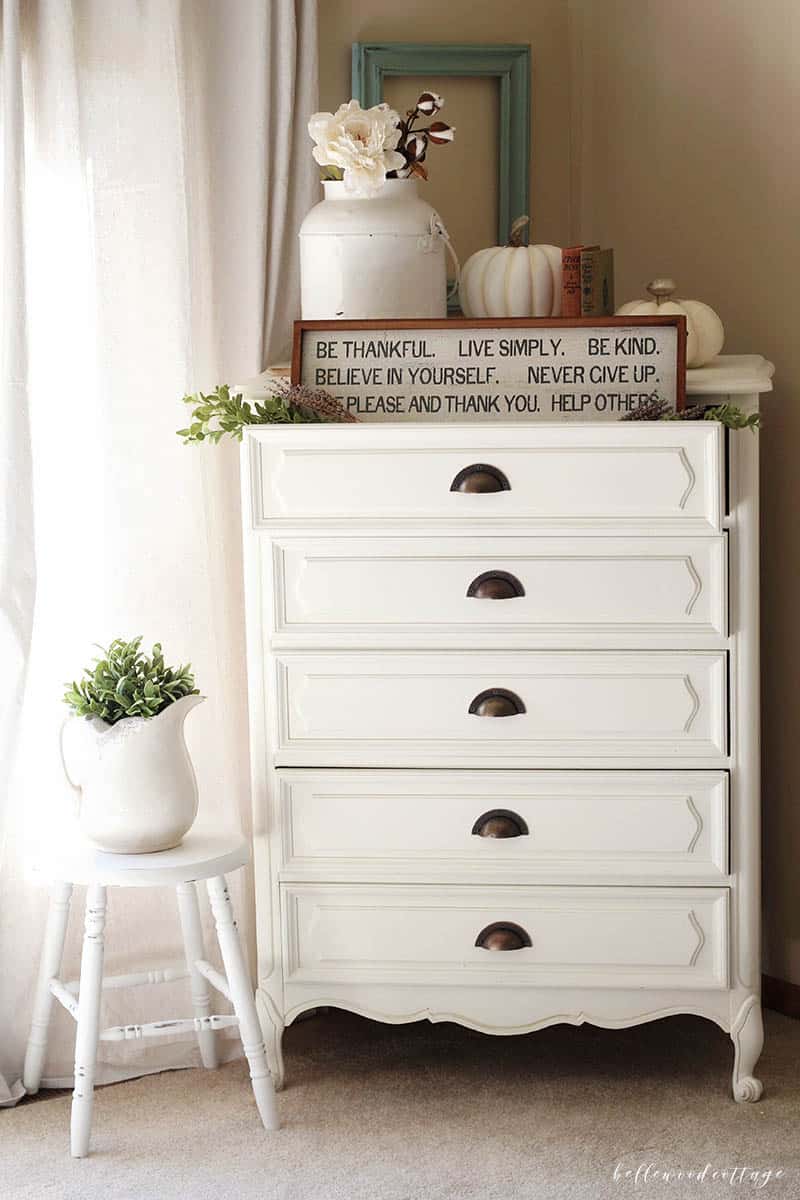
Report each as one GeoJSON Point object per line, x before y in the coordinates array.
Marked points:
{"type": "Point", "coordinates": [421, 1112]}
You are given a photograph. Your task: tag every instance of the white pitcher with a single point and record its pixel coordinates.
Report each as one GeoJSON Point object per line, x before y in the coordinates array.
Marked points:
{"type": "Point", "coordinates": [367, 257]}
{"type": "Point", "coordinates": [136, 785]}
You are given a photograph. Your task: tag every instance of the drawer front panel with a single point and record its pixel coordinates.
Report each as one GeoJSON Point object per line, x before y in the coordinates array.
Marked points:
{"type": "Point", "coordinates": [374, 825]}
{"type": "Point", "coordinates": [341, 591]}
{"type": "Point", "coordinates": [635, 473]}
{"type": "Point", "coordinates": [602, 937]}
{"type": "Point", "coordinates": [402, 709]}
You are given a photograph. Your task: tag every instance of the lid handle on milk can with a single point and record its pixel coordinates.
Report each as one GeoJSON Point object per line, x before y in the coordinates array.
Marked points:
{"type": "Point", "coordinates": [438, 229]}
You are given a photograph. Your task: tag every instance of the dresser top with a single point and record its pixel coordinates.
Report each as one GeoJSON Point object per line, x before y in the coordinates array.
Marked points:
{"type": "Point", "coordinates": [731, 375]}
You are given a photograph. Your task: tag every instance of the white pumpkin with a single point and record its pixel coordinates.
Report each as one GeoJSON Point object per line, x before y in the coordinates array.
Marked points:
{"type": "Point", "coordinates": [513, 280]}
{"type": "Point", "coordinates": [705, 335]}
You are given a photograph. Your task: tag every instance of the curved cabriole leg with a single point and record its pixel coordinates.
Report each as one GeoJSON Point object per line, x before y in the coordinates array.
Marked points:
{"type": "Point", "coordinates": [243, 1003]}
{"type": "Point", "coordinates": [272, 1028]}
{"type": "Point", "coordinates": [747, 1035]}
{"type": "Point", "coordinates": [193, 946]}
{"type": "Point", "coordinates": [86, 1038]}
{"type": "Point", "coordinates": [49, 968]}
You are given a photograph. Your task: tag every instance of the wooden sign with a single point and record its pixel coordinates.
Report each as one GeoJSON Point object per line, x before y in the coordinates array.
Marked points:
{"type": "Point", "coordinates": [494, 369]}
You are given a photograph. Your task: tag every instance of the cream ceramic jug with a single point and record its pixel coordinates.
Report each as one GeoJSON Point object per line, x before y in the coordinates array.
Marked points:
{"type": "Point", "coordinates": [367, 257]}
{"type": "Point", "coordinates": [136, 785]}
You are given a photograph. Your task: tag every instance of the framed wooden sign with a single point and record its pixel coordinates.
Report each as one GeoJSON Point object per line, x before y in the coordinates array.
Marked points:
{"type": "Point", "coordinates": [494, 369]}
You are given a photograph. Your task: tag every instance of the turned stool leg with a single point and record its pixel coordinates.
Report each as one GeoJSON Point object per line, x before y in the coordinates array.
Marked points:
{"type": "Point", "coordinates": [243, 1000]}
{"type": "Point", "coordinates": [91, 986]}
{"type": "Point", "coordinates": [193, 945]}
{"type": "Point", "coordinates": [49, 968]}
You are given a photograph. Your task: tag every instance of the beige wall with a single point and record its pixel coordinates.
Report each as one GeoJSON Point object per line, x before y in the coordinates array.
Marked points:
{"type": "Point", "coordinates": [466, 201]}
{"type": "Point", "coordinates": [689, 167]}
{"type": "Point", "coordinates": [667, 129]}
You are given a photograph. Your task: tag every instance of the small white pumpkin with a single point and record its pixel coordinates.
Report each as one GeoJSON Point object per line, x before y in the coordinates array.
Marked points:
{"type": "Point", "coordinates": [705, 335]}
{"type": "Point", "coordinates": [513, 280]}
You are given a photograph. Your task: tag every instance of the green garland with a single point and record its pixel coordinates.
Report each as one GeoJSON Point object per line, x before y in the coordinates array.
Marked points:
{"type": "Point", "coordinates": [729, 415]}
{"type": "Point", "coordinates": [656, 408]}
{"type": "Point", "coordinates": [220, 413]}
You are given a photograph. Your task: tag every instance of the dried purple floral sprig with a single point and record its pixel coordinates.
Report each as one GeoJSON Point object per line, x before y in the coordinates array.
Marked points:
{"type": "Point", "coordinates": [654, 408]}
{"type": "Point", "coordinates": [413, 143]}
{"type": "Point", "coordinates": [312, 400]}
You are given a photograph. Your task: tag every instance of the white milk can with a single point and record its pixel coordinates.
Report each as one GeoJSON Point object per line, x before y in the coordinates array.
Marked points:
{"type": "Point", "coordinates": [363, 258]}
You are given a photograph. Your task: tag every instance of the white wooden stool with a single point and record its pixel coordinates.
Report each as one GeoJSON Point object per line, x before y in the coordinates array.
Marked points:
{"type": "Point", "coordinates": [198, 857]}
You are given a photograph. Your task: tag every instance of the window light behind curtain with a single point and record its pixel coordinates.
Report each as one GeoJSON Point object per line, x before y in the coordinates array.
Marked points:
{"type": "Point", "coordinates": [155, 169]}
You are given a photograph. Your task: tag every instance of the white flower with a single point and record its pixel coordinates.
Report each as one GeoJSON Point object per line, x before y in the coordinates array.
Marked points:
{"type": "Point", "coordinates": [362, 142]}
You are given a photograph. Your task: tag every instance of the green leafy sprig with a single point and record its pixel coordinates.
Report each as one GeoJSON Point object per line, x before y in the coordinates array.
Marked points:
{"type": "Point", "coordinates": [124, 682]}
{"type": "Point", "coordinates": [732, 416]}
{"type": "Point", "coordinates": [222, 412]}
{"type": "Point", "coordinates": [656, 408]}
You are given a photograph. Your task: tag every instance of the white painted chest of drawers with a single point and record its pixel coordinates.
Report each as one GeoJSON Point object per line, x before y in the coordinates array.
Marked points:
{"type": "Point", "coordinates": [505, 742]}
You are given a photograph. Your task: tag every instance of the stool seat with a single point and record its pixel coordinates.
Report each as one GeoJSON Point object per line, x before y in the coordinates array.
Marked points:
{"type": "Point", "coordinates": [199, 856]}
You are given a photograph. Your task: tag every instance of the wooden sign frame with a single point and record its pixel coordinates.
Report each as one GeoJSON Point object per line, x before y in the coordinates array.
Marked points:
{"type": "Point", "coordinates": [500, 323]}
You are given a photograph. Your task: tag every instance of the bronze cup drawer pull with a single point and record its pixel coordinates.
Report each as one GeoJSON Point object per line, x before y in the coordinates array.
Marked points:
{"type": "Point", "coordinates": [496, 585]}
{"type": "Point", "coordinates": [500, 823]}
{"type": "Point", "coordinates": [496, 702]}
{"type": "Point", "coordinates": [480, 477]}
{"type": "Point", "coordinates": [503, 935]}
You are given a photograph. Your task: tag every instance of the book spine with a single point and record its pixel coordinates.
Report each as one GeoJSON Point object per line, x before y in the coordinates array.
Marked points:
{"type": "Point", "coordinates": [606, 283]}
{"type": "Point", "coordinates": [589, 258]}
{"type": "Point", "coordinates": [597, 282]}
{"type": "Point", "coordinates": [571, 281]}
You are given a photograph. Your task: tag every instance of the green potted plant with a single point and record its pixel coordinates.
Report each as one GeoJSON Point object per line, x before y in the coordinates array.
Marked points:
{"type": "Point", "coordinates": [124, 752]}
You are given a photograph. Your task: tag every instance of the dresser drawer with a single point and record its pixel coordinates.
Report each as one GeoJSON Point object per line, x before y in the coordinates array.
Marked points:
{"type": "Point", "coordinates": [567, 937]}
{"type": "Point", "coordinates": [500, 590]}
{"type": "Point", "coordinates": [510, 826]}
{"type": "Point", "coordinates": [618, 475]}
{"type": "Point", "coordinates": [418, 709]}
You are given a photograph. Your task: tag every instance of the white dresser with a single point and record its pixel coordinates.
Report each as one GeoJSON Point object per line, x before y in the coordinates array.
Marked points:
{"type": "Point", "coordinates": [504, 721]}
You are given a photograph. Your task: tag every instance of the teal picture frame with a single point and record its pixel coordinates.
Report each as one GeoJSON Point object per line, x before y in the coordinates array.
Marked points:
{"type": "Point", "coordinates": [509, 64]}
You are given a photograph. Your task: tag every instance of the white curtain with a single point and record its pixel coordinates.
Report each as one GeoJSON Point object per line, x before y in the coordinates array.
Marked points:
{"type": "Point", "coordinates": [155, 170]}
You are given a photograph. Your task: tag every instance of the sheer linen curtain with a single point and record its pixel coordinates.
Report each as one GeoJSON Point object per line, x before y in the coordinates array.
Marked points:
{"type": "Point", "coordinates": [155, 170]}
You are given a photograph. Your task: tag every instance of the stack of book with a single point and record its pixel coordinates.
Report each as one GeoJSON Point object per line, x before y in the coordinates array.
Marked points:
{"type": "Point", "coordinates": [587, 282]}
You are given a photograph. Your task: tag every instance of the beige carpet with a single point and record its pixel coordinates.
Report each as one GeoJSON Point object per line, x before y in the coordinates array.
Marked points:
{"type": "Point", "coordinates": [421, 1112]}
